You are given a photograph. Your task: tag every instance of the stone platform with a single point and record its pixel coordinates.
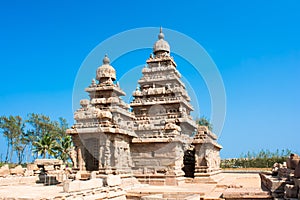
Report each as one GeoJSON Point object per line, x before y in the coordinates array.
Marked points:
{"type": "Point", "coordinates": [232, 186]}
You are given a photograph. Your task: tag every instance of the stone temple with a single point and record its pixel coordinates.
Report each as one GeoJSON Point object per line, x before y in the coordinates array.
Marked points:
{"type": "Point", "coordinates": [154, 138]}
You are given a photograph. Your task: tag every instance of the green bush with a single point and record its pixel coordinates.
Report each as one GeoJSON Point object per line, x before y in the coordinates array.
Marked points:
{"type": "Point", "coordinates": [262, 159]}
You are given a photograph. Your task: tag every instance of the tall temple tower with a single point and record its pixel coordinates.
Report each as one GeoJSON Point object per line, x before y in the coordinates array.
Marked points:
{"type": "Point", "coordinates": [163, 122]}
{"type": "Point", "coordinates": [103, 128]}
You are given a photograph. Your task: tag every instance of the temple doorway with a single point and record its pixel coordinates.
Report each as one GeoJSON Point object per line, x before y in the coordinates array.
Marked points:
{"type": "Point", "coordinates": [189, 163]}
{"type": "Point", "coordinates": [92, 154]}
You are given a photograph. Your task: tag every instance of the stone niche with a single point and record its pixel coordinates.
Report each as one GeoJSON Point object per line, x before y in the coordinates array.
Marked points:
{"type": "Point", "coordinates": [106, 153]}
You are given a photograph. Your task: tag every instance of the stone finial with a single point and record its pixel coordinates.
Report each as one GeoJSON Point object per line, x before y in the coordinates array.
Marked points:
{"type": "Point", "coordinates": [161, 36]}
{"type": "Point", "coordinates": [106, 60]}
{"type": "Point", "coordinates": [84, 102]}
{"type": "Point", "coordinates": [106, 71]}
{"type": "Point", "coordinates": [161, 45]}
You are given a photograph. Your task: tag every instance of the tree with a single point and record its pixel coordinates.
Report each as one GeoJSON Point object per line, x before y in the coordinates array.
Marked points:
{"type": "Point", "coordinates": [65, 146]}
{"type": "Point", "coordinates": [20, 142]}
{"type": "Point", "coordinates": [203, 121]}
{"type": "Point", "coordinates": [41, 125]}
{"type": "Point", "coordinates": [42, 136]}
{"type": "Point", "coordinates": [13, 130]}
{"type": "Point", "coordinates": [46, 145]}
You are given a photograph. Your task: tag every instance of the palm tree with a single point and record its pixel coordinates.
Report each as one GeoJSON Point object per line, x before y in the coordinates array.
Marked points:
{"type": "Point", "coordinates": [65, 146]}
{"type": "Point", "coordinates": [46, 145]}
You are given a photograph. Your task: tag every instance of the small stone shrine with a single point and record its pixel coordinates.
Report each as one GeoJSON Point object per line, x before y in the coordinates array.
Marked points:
{"type": "Point", "coordinates": [156, 139]}
{"type": "Point", "coordinates": [103, 128]}
{"type": "Point", "coordinates": [207, 154]}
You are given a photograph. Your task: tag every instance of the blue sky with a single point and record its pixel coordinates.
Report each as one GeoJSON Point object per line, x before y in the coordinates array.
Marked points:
{"type": "Point", "coordinates": [255, 45]}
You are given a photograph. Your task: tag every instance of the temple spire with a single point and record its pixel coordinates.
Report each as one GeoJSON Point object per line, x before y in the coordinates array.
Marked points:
{"type": "Point", "coordinates": [161, 45]}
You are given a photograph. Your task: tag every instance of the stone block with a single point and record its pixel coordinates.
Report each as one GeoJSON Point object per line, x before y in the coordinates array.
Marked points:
{"type": "Point", "coordinates": [78, 175]}
{"type": "Point", "coordinates": [116, 193]}
{"type": "Point", "coordinates": [4, 171]}
{"type": "Point", "coordinates": [74, 186]}
{"type": "Point", "coordinates": [297, 182]}
{"type": "Point", "coordinates": [284, 172]}
{"type": "Point", "coordinates": [61, 177]}
{"type": "Point", "coordinates": [297, 171]}
{"type": "Point", "coordinates": [293, 161]}
{"type": "Point", "coordinates": [113, 180]}
{"type": "Point", "coordinates": [28, 172]}
{"type": "Point", "coordinates": [272, 183]}
{"type": "Point", "coordinates": [90, 184]}
{"type": "Point", "coordinates": [31, 166]}
{"type": "Point", "coordinates": [48, 162]}
{"type": "Point", "coordinates": [290, 191]}
{"type": "Point", "coordinates": [153, 197]}
{"type": "Point", "coordinates": [93, 175]}
{"type": "Point", "coordinates": [71, 186]}
{"type": "Point", "coordinates": [18, 180]}
{"type": "Point", "coordinates": [49, 168]}
{"type": "Point", "coordinates": [18, 170]}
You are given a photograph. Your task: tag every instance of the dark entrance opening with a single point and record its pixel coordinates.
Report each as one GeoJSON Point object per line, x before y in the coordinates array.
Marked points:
{"type": "Point", "coordinates": [92, 154]}
{"type": "Point", "coordinates": [189, 162]}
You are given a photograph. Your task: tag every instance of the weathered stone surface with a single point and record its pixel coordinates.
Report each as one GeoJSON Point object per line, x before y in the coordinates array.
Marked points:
{"type": "Point", "coordinates": [290, 191]}
{"type": "Point", "coordinates": [113, 180]}
{"type": "Point", "coordinates": [48, 162]}
{"type": "Point", "coordinates": [297, 182]}
{"type": "Point", "coordinates": [28, 172]}
{"type": "Point", "coordinates": [31, 166]}
{"type": "Point", "coordinates": [78, 175]}
{"type": "Point", "coordinates": [73, 186]}
{"type": "Point", "coordinates": [284, 172]}
{"type": "Point", "coordinates": [91, 184]}
{"type": "Point", "coordinates": [18, 170]}
{"type": "Point", "coordinates": [293, 161]}
{"type": "Point", "coordinates": [297, 171]}
{"type": "Point", "coordinates": [272, 184]}
{"type": "Point", "coordinates": [18, 180]}
{"type": "Point", "coordinates": [49, 167]}
{"type": "Point", "coordinates": [241, 193]}
{"type": "Point", "coordinates": [4, 170]}
{"type": "Point", "coordinates": [93, 175]}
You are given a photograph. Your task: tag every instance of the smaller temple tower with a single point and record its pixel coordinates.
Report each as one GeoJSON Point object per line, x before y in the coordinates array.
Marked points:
{"type": "Point", "coordinates": [207, 155]}
{"type": "Point", "coordinates": [103, 128]}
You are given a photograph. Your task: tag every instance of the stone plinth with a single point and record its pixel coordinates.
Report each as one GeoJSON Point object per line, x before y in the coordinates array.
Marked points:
{"type": "Point", "coordinates": [274, 184]}
{"type": "Point", "coordinates": [171, 196]}
{"type": "Point", "coordinates": [244, 193]}
{"type": "Point", "coordinates": [73, 186]}
{"type": "Point", "coordinates": [31, 180]}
